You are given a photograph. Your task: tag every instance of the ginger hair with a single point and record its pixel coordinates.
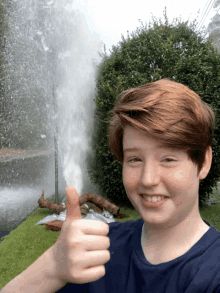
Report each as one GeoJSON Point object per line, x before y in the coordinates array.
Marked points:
{"type": "Point", "coordinates": [168, 111]}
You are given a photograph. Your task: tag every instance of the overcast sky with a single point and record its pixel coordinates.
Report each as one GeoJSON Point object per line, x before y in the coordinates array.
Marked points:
{"type": "Point", "coordinates": [112, 18]}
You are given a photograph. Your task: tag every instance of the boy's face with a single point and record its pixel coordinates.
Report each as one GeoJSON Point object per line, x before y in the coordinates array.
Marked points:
{"type": "Point", "coordinates": [153, 172]}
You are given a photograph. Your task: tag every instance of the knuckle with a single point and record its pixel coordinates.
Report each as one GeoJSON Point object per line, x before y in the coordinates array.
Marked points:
{"type": "Point", "coordinates": [73, 245]}
{"type": "Point", "coordinates": [74, 260]}
{"type": "Point", "coordinates": [108, 255]}
{"type": "Point", "coordinates": [107, 228]}
{"type": "Point", "coordinates": [76, 277]}
{"type": "Point", "coordinates": [108, 242]}
{"type": "Point", "coordinates": [102, 273]}
{"type": "Point", "coordinates": [77, 242]}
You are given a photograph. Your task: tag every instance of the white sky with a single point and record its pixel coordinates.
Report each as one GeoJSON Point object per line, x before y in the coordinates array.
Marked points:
{"type": "Point", "coordinates": [112, 18]}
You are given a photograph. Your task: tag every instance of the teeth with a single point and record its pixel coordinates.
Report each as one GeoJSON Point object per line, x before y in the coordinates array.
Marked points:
{"type": "Point", "coordinates": [153, 198]}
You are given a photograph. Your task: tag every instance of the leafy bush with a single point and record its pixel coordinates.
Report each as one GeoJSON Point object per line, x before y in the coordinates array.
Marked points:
{"type": "Point", "coordinates": [161, 50]}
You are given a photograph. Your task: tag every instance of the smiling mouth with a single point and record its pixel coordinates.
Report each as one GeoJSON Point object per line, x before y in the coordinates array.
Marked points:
{"type": "Point", "coordinates": [156, 198]}
{"type": "Point", "coordinates": [154, 195]}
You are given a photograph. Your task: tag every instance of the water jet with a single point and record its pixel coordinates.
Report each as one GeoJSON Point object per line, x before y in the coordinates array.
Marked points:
{"type": "Point", "coordinates": [51, 59]}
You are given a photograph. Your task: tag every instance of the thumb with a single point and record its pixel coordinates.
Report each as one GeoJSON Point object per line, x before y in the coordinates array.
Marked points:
{"type": "Point", "coordinates": [73, 210]}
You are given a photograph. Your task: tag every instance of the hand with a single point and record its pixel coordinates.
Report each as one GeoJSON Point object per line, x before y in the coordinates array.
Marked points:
{"type": "Point", "coordinates": [81, 250]}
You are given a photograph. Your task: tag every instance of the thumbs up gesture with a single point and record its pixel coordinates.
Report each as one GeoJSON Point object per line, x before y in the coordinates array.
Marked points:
{"type": "Point", "coordinates": [81, 250]}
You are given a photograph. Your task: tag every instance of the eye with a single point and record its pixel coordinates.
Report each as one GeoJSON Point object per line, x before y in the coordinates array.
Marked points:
{"type": "Point", "coordinates": [169, 159]}
{"type": "Point", "coordinates": [133, 159]}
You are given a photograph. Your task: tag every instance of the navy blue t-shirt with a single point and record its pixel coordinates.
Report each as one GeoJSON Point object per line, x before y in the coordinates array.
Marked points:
{"type": "Point", "coordinates": [128, 271]}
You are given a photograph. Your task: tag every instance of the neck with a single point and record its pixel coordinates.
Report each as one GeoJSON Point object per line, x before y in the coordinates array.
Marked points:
{"type": "Point", "coordinates": [174, 235]}
{"type": "Point", "coordinates": [169, 245]}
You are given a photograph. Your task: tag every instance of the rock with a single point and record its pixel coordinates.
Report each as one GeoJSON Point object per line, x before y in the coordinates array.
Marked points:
{"type": "Point", "coordinates": [54, 225]}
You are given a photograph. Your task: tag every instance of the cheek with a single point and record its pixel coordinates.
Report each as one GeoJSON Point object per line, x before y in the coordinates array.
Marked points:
{"type": "Point", "coordinates": [184, 178]}
{"type": "Point", "coordinates": [181, 176]}
{"type": "Point", "coordinates": [130, 177]}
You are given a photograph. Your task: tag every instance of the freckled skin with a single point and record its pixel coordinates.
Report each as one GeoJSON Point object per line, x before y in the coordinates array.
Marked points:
{"type": "Point", "coordinates": [177, 223]}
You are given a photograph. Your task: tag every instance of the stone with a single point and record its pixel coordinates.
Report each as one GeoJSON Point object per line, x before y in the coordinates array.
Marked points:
{"type": "Point", "coordinates": [54, 225]}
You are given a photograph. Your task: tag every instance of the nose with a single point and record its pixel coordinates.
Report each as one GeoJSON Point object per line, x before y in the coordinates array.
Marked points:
{"type": "Point", "coordinates": [150, 174]}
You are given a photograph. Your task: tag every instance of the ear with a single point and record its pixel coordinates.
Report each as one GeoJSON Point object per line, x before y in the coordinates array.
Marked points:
{"type": "Point", "coordinates": [207, 164]}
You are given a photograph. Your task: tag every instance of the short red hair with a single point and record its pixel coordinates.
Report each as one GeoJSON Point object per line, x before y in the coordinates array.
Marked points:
{"type": "Point", "coordinates": [170, 112]}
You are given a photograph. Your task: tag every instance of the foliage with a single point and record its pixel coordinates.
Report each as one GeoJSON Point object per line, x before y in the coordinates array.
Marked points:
{"type": "Point", "coordinates": [162, 50]}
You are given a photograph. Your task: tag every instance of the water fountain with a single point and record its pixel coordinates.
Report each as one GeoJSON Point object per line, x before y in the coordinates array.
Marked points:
{"type": "Point", "coordinates": [52, 59]}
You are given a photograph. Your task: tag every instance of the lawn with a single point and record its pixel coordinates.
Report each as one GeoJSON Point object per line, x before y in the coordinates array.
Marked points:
{"type": "Point", "coordinates": [20, 248]}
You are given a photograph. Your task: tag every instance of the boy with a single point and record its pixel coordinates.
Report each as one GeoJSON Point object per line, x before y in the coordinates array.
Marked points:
{"type": "Point", "coordinates": [162, 134]}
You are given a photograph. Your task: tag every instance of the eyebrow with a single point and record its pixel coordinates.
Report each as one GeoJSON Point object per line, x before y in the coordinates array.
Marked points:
{"type": "Point", "coordinates": [138, 149]}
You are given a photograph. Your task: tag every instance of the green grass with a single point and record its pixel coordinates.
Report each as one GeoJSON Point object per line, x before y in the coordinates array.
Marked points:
{"type": "Point", "coordinates": [20, 248]}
